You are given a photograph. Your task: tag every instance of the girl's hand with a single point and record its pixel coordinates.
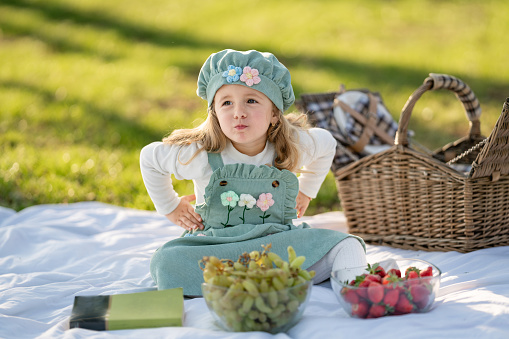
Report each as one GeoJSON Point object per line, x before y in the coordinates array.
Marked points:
{"type": "Point", "coordinates": [302, 204]}
{"type": "Point", "coordinates": [184, 215]}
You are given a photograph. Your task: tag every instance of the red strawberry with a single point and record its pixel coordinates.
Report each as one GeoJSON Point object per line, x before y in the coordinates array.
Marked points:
{"type": "Point", "coordinates": [374, 277]}
{"type": "Point", "coordinates": [412, 278]}
{"type": "Point", "coordinates": [395, 272]}
{"type": "Point", "coordinates": [412, 272]}
{"type": "Point", "coordinates": [362, 291]}
{"type": "Point", "coordinates": [421, 305]}
{"type": "Point", "coordinates": [403, 305]}
{"type": "Point", "coordinates": [350, 296]}
{"type": "Point", "coordinates": [376, 269]}
{"type": "Point", "coordinates": [361, 309]}
{"type": "Point", "coordinates": [428, 272]}
{"type": "Point", "coordinates": [391, 297]}
{"type": "Point", "coordinates": [390, 279]}
{"type": "Point", "coordinates": [375, 292]}
{"type": "Point", "coordinates": [358, 279]}
{"type": "Point", "coordinates": [420, 295]}
{"type": "Point", "coordinates": [380, 271]}
{"type": "Point", "coordinates": [376, 311]}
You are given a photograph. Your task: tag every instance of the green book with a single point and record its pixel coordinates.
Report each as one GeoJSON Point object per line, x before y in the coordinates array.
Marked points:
{"type": "Point", "coordinates": [128, 311]}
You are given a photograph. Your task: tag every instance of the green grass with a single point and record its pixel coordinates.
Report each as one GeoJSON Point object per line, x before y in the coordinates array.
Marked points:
{"type": "Point", "coordinates": [84, 85]}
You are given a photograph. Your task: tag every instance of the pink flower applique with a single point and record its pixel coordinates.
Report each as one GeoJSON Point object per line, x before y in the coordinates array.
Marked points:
{"type": "Point", "coordinates": [264, 202]}
{"type": "Point", "coordinates": [250, 76]}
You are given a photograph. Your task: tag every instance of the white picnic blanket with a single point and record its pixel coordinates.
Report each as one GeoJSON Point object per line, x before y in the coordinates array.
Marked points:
{"type": "Point", "coordinates": [50, 253]}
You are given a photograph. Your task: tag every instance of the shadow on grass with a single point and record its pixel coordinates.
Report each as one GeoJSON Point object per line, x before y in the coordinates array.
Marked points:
{"type": "Point", "coordinates": [395, 78]}
{"type": "Point", "coordinates": [96, 125]}
{"type": "Point", "coordinates": [131, 31]}
{"type": "Point", "coordinates": [57, 44]}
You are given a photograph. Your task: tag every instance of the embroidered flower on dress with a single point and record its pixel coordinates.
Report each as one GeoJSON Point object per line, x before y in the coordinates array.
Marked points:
{"type": "Point", "coordinates": [232, 74]}
{"type": "Point", "coordinates": [248, 201]}
{"type": "Point", "coordinates": [229, 199]}
{"type": "Point", "coordinates": [264, 202]}
{"type": "Point", "coordinates": [250, 76]}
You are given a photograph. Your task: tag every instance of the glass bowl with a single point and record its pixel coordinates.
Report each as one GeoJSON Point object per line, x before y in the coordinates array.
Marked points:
{"type": "Point", "coordinates": [363, 298]}
{"type": "Point", "coordinates": [237, 310]}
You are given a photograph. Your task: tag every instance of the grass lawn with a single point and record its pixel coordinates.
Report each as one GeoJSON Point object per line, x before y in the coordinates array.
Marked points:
{"type": "Point", "coordinates": [84, 85]}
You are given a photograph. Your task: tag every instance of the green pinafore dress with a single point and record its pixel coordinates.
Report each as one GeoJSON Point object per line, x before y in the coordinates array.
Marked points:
{"type": "Point", "coordinates": [245, 207]}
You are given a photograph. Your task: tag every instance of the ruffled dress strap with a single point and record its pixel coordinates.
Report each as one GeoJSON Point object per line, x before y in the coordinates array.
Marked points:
{"type": "Point", "coordinates": [215, 160]}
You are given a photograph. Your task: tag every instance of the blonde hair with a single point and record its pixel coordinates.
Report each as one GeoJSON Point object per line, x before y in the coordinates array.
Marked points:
{"type": "Point", "coordinates": [284, 135]}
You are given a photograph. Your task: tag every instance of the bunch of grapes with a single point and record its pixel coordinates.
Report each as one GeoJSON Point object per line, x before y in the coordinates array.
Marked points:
{"type": "Point", "coordinates": [258, 292]}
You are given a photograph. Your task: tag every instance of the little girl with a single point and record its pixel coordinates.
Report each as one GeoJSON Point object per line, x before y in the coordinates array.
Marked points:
{"type": "Point", "coordinates": [242, 161]}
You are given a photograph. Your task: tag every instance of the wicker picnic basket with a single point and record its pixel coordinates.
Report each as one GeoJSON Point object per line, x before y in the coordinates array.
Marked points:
{"type": "Point", "coordinates": [411, 199]}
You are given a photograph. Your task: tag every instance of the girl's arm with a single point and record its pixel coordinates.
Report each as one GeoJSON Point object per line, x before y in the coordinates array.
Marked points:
{"type": "Point", "coordinates": [302, 204]}
{"type": "Point", "coordinates": [319, 149]}
{"type": "Point", "coordinates": [158, 161]}
{"type": "Point", "coordinates": [184, 215]}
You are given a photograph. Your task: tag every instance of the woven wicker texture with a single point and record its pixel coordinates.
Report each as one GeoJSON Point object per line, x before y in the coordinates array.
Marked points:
{"type": "Point", "coordinates": [494, 158]}
{"type": "Point", "coordinates": [412, 200]}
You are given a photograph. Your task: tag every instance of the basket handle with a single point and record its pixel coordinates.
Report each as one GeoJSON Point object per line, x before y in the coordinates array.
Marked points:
{"type": "Point", "coordinates": [435, 82]}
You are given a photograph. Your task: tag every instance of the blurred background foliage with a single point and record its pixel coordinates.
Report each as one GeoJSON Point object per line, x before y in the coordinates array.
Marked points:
{"type": "Point", "coordinates": [84, 85]}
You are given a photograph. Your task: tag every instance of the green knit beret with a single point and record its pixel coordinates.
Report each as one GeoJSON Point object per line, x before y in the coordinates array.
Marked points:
{"type": "Point", "coordinates": [260, 71]}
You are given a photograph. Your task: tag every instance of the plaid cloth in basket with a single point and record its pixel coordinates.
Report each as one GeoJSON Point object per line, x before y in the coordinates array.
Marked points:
{"type": "Point", "coordinates": [324, 110]}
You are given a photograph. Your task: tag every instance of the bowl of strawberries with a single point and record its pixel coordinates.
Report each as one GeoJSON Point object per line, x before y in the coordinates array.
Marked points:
{"type": "Point", "coordinates": [390, 287]}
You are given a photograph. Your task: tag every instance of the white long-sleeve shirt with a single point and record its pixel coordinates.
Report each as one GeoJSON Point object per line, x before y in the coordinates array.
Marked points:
{"type": "Point", "coordinates": [158, 161]}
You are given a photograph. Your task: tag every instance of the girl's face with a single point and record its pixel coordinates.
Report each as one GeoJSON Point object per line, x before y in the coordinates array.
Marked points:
{"type": "Point", "coordinates": [244, 115]}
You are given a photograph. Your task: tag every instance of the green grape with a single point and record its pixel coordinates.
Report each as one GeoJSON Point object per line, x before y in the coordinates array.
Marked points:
{"type": "Point", "coordinates": [237, 266]}
{"type": "Point", "coordinates": [247, 303]}
{"type": "Point", "coordinates": [254, 255]}
{"type": "Point", "coordinates": [262, 317]}
{"type": "Point", "coordinates": [250, 287]}
{"type": "Point", "coordinates": [291, 254]}
{"type": "Point", "coordinates": [297, 262]}
{"type": "Point", "coordinates": [273, 299]}
{"type": "Point", "coordinates": [252, 265]}
{"type": "Point", "coordinates": [215, 262]}
{"type": "Point", "coordinates": [305, 274]}
{"type": "Point", "coordinates": [249, 324]}
{"type": "Point", "coordinates": [278, 284]}
{"type": "Point", "coordinates": [293, 305]}
{"type": "Point", "coordinates": [208, 274]}
{"type": "Point", "coordinates": [266, 262]}
{"type": "Point", "coordinates": [253, 314]}
{"type": "Point", "coordinates": [260, 304]}
{"type": "Point", "coordinates": [264, 286]}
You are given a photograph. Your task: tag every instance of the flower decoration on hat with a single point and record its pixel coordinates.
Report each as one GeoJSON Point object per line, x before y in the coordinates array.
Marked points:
{"type": "Point", "coordinates": [250, 76]}
{"type": "Point", "coordinates": [232, 74]}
